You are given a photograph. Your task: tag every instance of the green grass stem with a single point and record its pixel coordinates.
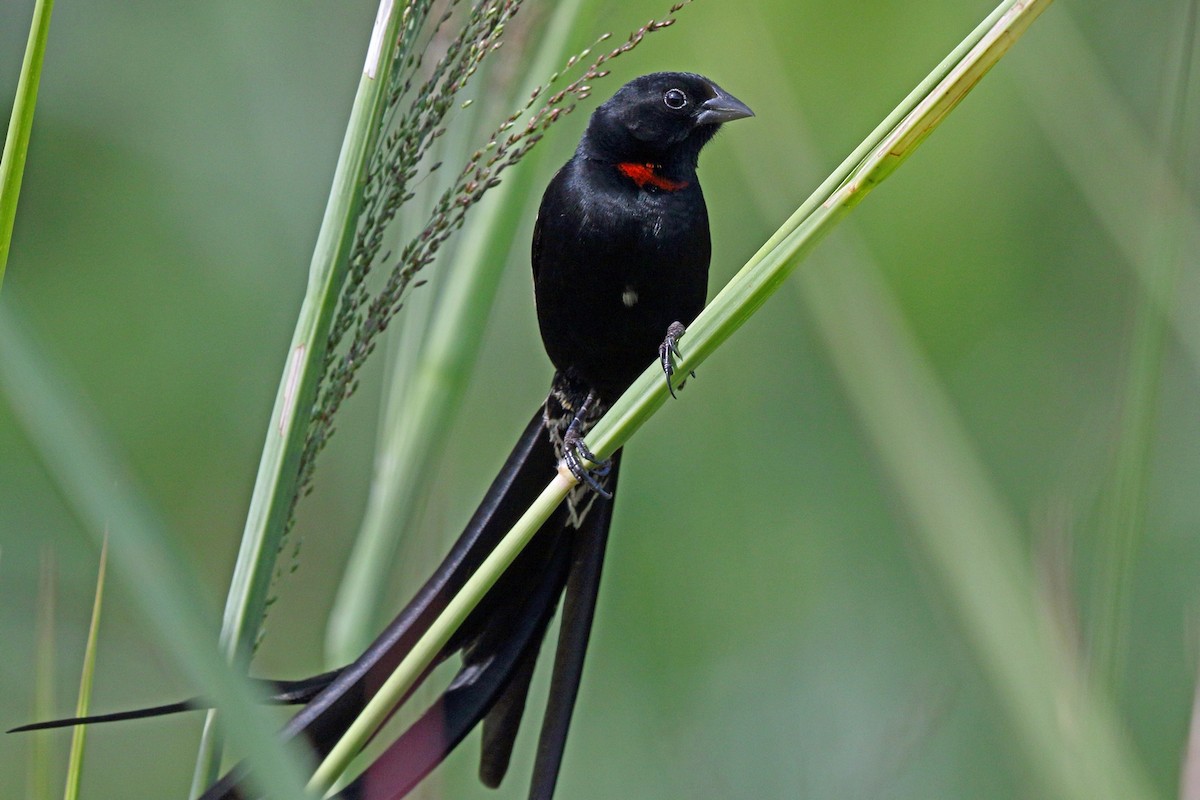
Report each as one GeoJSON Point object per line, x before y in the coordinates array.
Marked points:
{"type": "Point", "coordinates": [1063, 728]}
{"type": "Point", "coordinates": [275, 485]}
{"type": "Point", "coordinates": [868, 165]}
{"type": "Point", "coordinates": [79, 732]}
{"type": "Point", "coordinates": [1123, 517]}
{"type": "Point", "coordinates": [20, 125]}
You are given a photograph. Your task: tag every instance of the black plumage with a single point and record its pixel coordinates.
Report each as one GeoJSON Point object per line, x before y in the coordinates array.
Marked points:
{"type": "Point", "coordinates": [620, 265]}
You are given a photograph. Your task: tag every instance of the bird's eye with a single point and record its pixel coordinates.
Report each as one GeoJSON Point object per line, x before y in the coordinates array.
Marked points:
{"type": "Point", "coordinates": [675, 99]}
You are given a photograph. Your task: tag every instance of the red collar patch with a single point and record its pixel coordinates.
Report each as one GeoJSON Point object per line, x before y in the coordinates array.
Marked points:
{"type": "Point", "coordinates": [643, 174]}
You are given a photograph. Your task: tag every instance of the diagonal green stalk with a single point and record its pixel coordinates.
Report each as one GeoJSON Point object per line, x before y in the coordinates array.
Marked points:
{"type": "Point", "coordinates": [432, 388]}
{"type": "Point", "coordinates": [427, 647]}
{"type": "Point", "coordinates": [99, 486]}
{"type": "Point", "coordinates": [20, 125]}
{"type": "Point", "coordinates": [79, 733]}
{"type": "Point", "coordinates": [856, 157]}
{"type": "Point", "coordinates": [1061, 69]}
{"type": "Point", "coordinates": [275, 485]}
{"type": "Point", "coordinates": [1066, 730]}
{"type": "Point", "coordinates": [1124, 512]}
{"type": "Point", "coordinates": [871, 163]}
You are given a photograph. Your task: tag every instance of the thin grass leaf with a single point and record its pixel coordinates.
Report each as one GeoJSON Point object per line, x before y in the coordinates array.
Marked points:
{"type": "Point", "coordinates": [102, 493]}
{"type": "Point", "coordinates": [362, 315]}
{"type": "Point", "coordinates": [887, 147]}
{"type": "Point", "coordinates": [20, 125]}
{"type": "Point", "coordinates": [1122, 526]}
{"type": "Point", "coordinates": [1062, 71]}
{"type": "Point", "coordinates": [79, 733]}
{"type": "Point", "coordinates": [375, 172]}
{"type": "Point", "coordinates": [274, 489]}
{"type": "Point", "coordinates": [1064, 728]}
{"type": "Point", "coordinates": [278, 476]}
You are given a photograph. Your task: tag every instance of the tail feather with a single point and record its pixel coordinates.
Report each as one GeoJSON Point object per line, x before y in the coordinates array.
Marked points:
{"type": "Point", "coordinates": [324, 720]}
{"type": "Point", "coordinates": [138, 713]}
{"type": "Point", "coordinates": [579, 609]}
{"type": "Point", "coordinates": [502, 722]}
{"type": "Point", "coordinates": [526, 471]}
{"type": "Point", "coordinates": [499, 641]}
{"type": "Point", "coordinates": [281, 693]}
{"type": "Point", "coordinates": [491, 665]}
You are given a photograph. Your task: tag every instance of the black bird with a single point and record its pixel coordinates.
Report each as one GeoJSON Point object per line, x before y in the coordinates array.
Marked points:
{"type": "Point", "coordinates": [620, 266]}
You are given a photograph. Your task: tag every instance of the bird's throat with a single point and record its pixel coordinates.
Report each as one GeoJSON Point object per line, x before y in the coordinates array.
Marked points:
{"type": "Point", "coordinates": [647, 175]}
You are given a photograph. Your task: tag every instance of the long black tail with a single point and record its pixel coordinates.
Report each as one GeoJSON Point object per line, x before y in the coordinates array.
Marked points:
{"type": "Point", "coordinates": [284, 693]}
{"type": "Point", "coordinates": [493, 682]}
{"type": "Point", "coordinates": [499, 642]}
{"type": "Point", "coordinates": [118, 716]}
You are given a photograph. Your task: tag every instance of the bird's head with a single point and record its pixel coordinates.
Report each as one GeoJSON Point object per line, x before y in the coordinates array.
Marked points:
{"type": "Point", "coordinates": [661, 117]}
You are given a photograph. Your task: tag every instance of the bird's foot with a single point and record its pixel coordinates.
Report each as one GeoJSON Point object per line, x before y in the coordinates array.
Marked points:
{"type": "Point", "coordinates": [669, 348]}
{"type": "Point", "coordinates": [575, 453]}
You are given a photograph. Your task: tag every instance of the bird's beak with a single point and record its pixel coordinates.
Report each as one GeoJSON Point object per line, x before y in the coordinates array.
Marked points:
{"type": "Point", "coordinates": [723, 107]}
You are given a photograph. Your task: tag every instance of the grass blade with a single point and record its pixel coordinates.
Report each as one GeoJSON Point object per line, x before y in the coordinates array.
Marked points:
{"type": "Point", "coordinates": [1065, 729]}
{"type": "Point", "coordinates": [1062, 70]}
{"type": "Point", "coordinates": [885, 149]}
{"type": "Point", "coordinates": [20, 125]}
{"type": "Point", "coordinates": [79, 733]}
{"type": "Point", "coordinates": [274, 488]}
{"type": "Point", "coordinates": [1123, 520]}
{"type": "Point", "coordinates": [278, 470]}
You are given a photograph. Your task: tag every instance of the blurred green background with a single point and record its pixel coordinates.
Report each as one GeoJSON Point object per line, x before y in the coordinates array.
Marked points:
{"type": "Point", "coordinates": [768, 626]}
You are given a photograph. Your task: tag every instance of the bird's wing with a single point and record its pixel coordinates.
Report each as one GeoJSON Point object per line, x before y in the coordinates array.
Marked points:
{"type": "Point", "coordinates": [579, 608]}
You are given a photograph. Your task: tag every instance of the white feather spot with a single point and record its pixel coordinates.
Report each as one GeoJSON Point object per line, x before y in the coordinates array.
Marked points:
{"type": "Point", "coordinates": [629, 296]}
{"type": "Point", "coordinates": [658, 223]}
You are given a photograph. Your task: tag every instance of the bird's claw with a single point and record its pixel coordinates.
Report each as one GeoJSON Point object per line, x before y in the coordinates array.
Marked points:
{"type": "Point", "coordinates": [670, 347]}
{"type": "Point", "coordinates": [575, 452]}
